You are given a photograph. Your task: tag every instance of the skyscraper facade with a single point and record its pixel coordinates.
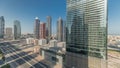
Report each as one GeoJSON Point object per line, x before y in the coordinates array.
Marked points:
{"type": "Point", "coordinates": [86, 34]}
{"type": "Point", "coordinates": [17, 29]}
{"type": "Point", "coordinates": [48, 28]}
{"type": "Point", "coordinates": [64, 31]}
{"type": "Point", "coordinates": [42, 30]}
{"type": "Point", "coordinates": [60, 29]}
{"type": "Point", "coordinates": [2, 27]}
{"type": "Point", "coordinates": [36, 28]}
{"type": "Point", "coordinates": [8, 32]}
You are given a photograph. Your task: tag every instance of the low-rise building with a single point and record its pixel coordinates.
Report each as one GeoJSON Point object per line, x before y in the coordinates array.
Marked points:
{"type": "Point", "coordinates": [36, 42]}
{"type": "Point", "coordinates": [54, 56]}
{"type": "Point", "coordinates": [53, 43]}
{"type": "Point", "coordinates": [29, 40]}
{"type": "Point", "coordinates": [42, 41]}
{"type": "Point", "coordinates": [61, 44]}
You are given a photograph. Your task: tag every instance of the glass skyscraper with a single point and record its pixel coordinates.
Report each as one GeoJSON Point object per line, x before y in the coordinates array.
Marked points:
{"type": "Point", "coordinates": [36, 28]}
{"type": "Point", "coordinates": [17, 29]}
{"type": "Point", "coordinates": [2, 27]}
{"type": "Point", "coordinates": [86, 34]}
{"type": "Point", "coordinates": [48, 28]}
{"type": "Point", "coordinates": [60, 30]}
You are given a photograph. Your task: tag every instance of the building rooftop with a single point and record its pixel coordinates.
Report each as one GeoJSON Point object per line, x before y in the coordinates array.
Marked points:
{"type": "Point", "coordinates": [55, 50]}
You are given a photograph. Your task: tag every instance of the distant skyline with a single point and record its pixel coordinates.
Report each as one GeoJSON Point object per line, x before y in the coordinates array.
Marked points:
{"type": "Point", "coordinates": [25, 11]}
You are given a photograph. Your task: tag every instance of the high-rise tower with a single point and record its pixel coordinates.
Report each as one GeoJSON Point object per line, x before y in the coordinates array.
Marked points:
{"type": "Point", "coordinates": [8, 33]}
{"type": "Point", "coordinates": [36, 28]}
{"type": "Point", "coordinates": [60, 29]}
{"type": "Point", "coordinates": [48, 28]}
{"type": "Point", "coordinates": [86, 34]}
{"type": "Point", "coordinates": [17, 29]}
{"type": "Point", "coordinates": [2, 27]}
{"type": "Point", "coordinates": [42, 30]}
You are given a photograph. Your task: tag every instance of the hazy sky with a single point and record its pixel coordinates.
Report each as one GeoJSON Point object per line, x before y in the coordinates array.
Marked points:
{"type": "Point", "coordinates": [26, 10]}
